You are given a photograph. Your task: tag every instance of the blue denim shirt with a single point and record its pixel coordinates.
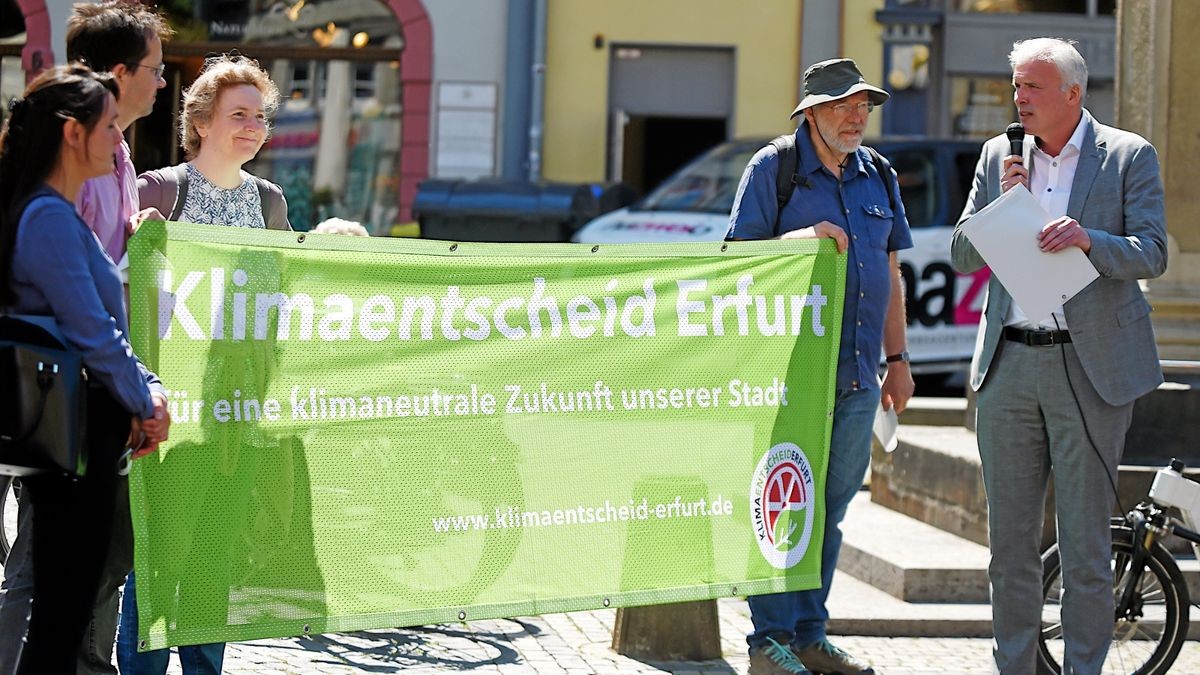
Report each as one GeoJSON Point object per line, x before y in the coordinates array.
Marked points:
{"type": "Point", "coordinates": [60, 270]}
{"type": "Point", "coordinates": [859, 205]}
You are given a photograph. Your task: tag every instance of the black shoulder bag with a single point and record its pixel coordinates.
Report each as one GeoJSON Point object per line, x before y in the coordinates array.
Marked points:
{"type": "Point", "coordinates": [43, 407]}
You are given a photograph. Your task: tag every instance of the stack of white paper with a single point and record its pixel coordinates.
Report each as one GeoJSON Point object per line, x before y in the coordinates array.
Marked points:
{"type": "Point", "coordinates": [1005, 234]}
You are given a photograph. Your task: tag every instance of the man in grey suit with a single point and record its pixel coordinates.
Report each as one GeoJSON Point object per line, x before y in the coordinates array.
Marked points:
{"type": "Point", "coordinates": [1056, 393]}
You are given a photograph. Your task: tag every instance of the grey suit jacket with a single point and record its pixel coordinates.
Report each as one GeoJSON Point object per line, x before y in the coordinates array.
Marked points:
{"type": "Point", "coordinates": [1118, 196]}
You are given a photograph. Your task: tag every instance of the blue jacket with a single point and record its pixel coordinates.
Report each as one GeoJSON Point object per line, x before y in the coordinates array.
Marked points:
{"type": "Point", "coordinates": [60, 270]}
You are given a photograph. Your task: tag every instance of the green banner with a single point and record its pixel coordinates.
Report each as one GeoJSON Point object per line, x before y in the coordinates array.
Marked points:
{"type": "Point", "coordinates": [376, 432]}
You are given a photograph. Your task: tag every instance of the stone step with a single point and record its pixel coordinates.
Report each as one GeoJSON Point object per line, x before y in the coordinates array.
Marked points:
{"type": "Point", "coordinates": [915, 562]}
{"type": "Point", "coordinates": [1190, 567]}
{"type": "Point", "coordinates": [910, 560]}
{"type": "Point", "coordinates": [934, 476]}
{"type": "Point", "coordinates": [858, 608]}
{"type": "Point", "coordinates": [935, 411]}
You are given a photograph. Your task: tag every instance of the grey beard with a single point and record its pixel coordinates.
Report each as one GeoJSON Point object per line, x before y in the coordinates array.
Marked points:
{"type": "Point", "coordinates": [834, 142]}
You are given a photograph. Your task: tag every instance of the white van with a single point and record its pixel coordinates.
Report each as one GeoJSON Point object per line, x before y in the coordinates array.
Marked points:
{"type": "Point", "coordinates": [935, 176]}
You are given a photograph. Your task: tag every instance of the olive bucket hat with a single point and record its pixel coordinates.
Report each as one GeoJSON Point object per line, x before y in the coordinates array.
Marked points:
{"type": "Point", "coordinates": [833, 79]}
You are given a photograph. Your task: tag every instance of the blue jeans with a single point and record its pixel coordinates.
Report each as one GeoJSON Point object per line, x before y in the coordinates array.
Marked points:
{"type": "Point", "coordinates": [195, 659]}
{"type": "Point", "coordinates": [798, 617]}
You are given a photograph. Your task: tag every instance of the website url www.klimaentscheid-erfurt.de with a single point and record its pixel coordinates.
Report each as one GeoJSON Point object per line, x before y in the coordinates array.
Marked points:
{"type": "Point", "coordinates": [504, 517]}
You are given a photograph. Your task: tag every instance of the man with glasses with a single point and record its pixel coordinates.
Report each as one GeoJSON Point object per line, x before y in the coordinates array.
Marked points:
{"type": "Point", "coordinates": [125, 39]}
{"type": "Point", "coordinates": [839, 192]}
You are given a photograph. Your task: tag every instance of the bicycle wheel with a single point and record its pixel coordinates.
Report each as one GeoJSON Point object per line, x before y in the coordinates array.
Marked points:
{"type": "Point", "coordinates": [1144, 646]}
{"type": "Point", "coordinates": [8, 516]}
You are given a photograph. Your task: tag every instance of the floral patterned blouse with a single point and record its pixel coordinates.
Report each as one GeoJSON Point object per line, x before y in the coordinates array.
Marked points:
{"type": "Point", "coordinates": [214, 205]}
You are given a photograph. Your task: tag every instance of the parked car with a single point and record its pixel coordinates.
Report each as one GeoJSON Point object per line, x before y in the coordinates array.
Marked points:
{"type": "Point", "coordinates": [935, 177]}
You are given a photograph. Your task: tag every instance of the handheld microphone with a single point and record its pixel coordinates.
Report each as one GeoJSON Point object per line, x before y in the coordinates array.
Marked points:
{"type": "Point", "coordinates": [1016, 139]}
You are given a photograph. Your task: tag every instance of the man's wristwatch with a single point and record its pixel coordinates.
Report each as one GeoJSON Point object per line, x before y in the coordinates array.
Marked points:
{"type": "Point", "coordinates": [901, 357]}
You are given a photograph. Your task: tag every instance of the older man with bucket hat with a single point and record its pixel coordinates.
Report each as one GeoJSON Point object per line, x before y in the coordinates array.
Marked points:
{"type": "Point", "coordinates": [846, 192]}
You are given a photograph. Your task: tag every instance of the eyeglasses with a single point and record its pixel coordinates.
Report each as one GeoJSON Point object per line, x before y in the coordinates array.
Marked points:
{"type": "Point", "coordinates": [158, 70]}
{"type": "Point", "coordinates": [846, 108]}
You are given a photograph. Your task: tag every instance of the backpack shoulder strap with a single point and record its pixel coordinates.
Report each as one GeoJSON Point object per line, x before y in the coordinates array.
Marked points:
{"type": "Point", "coordinates": [264, 198]}
{"type": "Point", "coordinates": [785, 175]}
{"type": "Point", "coordinates": [181, 189]}
{"type": "Point", "coordinates": [885, 171]}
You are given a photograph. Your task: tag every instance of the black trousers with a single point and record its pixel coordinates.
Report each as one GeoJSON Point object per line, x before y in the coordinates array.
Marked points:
{"type": "Point", "coordinates": [72, 524]}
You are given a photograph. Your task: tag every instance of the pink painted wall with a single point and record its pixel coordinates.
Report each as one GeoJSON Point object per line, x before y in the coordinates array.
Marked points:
{"type": "Point", "coordinates": [416, 81]}
{"type": "Point", "coordinates": [37, 54]}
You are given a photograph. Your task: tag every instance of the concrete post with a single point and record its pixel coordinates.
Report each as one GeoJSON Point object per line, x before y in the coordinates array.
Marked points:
{"type": "Point", "coordinates": [684, 631]}
{"type": "Point", "coordinates": [1157, 71]}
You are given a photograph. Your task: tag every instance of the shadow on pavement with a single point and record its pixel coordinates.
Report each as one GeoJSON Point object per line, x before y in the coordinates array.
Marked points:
{"type": "Point", "coordinates": [441, 646]}
{"type": "Point", "coordinates": [447, 647]}
{"type": "Point", "coordinates": [706, 667]}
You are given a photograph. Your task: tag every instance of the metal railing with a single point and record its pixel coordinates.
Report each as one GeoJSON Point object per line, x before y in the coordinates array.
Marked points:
{"type": "Point", "coordinates": [1180, 366]}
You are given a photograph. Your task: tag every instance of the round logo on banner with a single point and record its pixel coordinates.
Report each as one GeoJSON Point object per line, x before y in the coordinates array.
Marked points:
{"type": "Point", "coordinates": [782, 506]}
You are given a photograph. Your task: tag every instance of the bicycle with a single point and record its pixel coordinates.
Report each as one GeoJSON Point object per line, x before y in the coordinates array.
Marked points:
{"type": "Point", "coordinates": [1152, 600]}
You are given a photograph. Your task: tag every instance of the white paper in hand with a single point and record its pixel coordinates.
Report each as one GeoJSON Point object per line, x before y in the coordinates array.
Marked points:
{"type": "Point", "coordinates": [886, 427]}
{"type": "Point", "coordinates": [1005, 234]}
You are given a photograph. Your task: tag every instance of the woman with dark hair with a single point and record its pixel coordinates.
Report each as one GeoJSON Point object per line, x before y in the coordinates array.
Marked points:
{"type": "Point", "coordinates": [62, 132]}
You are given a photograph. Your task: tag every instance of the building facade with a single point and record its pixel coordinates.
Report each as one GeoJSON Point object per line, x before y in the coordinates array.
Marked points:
{"type": "Point", "coordinates": [947, 60]}
{"type": "Point", "coordinates": [365, 117]}
{"type": "Point", "coordinates": [381, 94]}
{"type": "Point", "coordinates": [635, 89]}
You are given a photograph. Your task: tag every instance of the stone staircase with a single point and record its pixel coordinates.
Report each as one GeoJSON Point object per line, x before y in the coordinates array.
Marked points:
{"type": "Point", "coordinates": [914, 555]}
{"type": "Point", "coordinates": [900, 577]}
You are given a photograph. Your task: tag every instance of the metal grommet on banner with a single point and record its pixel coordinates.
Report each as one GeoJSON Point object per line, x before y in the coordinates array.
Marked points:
{"type": "Point", "coordinates": [141, 644]}
{"type": "Point", "coordinates": [453, 247]}
{"type": "Point", "coordinates": [607, 602]}
{"type": "Point", "coordinates": [733, 591]}
{"type": "Point", "coordinates": [724, 247]}
{"type": "Point", "coordinates": [307, 629]}
{"type": "Point", "coordinates": [300, 239]}
{"type": "Point", "coordinates": [462, 616]}
{"type": "Point", "coordinates": [595, 249]}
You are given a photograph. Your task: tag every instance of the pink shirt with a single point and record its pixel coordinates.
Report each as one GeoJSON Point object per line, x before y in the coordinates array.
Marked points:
{"type": "Point", "coordinates": [107, 202]}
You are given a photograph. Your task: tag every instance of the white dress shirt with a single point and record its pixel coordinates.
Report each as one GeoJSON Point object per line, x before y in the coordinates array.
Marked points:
{"type": "Point", "coordinates": [1050, 181]}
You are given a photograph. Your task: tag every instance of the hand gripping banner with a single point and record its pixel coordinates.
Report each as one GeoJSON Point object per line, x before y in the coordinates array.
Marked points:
{"type": "Point", "coordinates": [374, 433]}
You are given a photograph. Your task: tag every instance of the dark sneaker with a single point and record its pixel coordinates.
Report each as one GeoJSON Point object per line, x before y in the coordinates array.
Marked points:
{"type": "Point", "coordinates": [825, 659]}
{"type": "Point", "coordinates": [772, 658]}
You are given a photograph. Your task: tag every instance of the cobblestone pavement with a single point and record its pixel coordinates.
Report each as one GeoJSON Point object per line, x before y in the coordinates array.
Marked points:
{"type": "Point", "coordinates": [578, 642]}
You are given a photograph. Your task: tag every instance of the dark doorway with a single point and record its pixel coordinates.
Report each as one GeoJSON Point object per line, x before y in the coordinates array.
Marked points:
{"type": "Point", "coordinates": [666, 105]}
{"type": "Point", "coordinates": [657, 146]}
{"type": "Point", "coordinates": [154, 139]}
